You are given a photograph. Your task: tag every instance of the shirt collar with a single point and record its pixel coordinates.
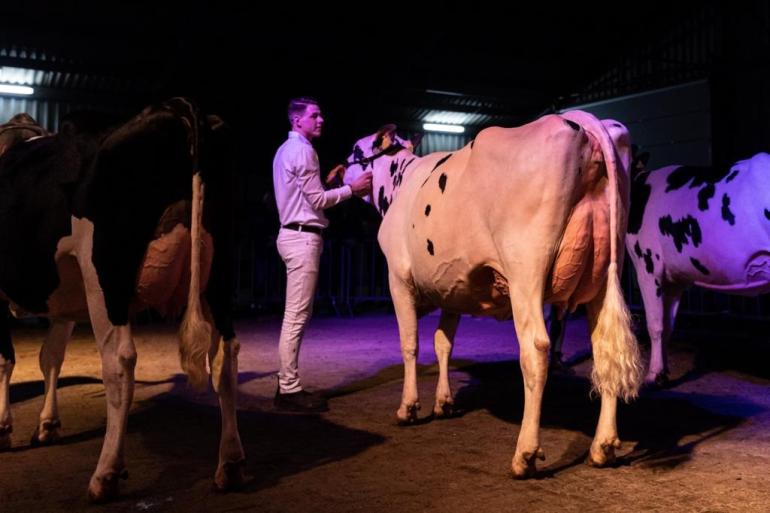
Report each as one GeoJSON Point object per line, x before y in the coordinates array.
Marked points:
{"type": "Point", "coordinates": [297, 135]}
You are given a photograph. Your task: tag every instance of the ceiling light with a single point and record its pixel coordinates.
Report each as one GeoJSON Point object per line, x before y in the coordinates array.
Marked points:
{"type": "Point", "coordinates": [16, 89]}
{"type": "Point", "coordinates": [437, 127]}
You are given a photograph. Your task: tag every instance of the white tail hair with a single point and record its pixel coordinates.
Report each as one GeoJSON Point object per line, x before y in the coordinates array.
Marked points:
{"type": "Point", "coordinates": [617, 367]}
{"type": "Point", "coordinates": [195, 332]}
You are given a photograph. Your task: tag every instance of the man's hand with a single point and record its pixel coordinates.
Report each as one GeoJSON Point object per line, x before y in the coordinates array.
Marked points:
{"type": "Point", "coordinates": [336, 174]}
{"type": "Point", "coordinates": [362, 185]}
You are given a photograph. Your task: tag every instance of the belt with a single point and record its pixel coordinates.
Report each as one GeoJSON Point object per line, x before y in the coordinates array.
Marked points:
{"type": "Point", "coordinates": [303, 228]}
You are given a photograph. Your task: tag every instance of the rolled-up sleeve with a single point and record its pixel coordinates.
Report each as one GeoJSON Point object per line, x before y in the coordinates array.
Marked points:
{"type": "Point", "coordinates": [309, 179]}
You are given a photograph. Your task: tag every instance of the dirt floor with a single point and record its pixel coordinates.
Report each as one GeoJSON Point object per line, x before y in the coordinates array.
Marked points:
{"type": "Point", "coordinates": [702, 445]}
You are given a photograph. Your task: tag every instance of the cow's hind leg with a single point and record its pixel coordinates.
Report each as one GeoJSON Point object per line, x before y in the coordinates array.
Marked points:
{"type": "Point", "coordinates": [534, 345]}
{"type": "Point", "coordinates": [406, 315]}
{"type": "Point", "coordinates": [443, 340]}
{"type": "Point", "coordinates": [118, 353]}
{"type": "Point", "coordinates": [7, 359]}
{"type": "Point", "coordinates": [617, 369]}
{"type": "Point", "coordinates": [51, 359]}
{"type": "Point", "coordinates": [223, 356]}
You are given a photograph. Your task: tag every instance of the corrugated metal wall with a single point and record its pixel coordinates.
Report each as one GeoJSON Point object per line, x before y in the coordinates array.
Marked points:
{"type": "Point", "coordinates": [46, 113]}
{"type": "Point", "coordinates": [433, 141]}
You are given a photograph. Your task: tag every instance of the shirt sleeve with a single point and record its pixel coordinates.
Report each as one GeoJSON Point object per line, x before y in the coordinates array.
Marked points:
{"type": "Point", "coordinates": [309, 178]}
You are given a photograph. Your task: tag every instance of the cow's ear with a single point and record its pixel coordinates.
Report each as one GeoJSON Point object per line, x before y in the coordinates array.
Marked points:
{"type": "Point", "coordinates": [415, 139]}
{"type": "Point", "coordinates": [384, 136]}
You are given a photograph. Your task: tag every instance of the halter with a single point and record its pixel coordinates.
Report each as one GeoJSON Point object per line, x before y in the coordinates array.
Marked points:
{"type": "Point", "coordinates": [368, 160]}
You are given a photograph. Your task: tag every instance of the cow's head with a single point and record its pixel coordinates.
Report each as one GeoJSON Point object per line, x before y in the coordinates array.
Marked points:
{"type": "Point", "coordinates": [387, 156]}
{"type": "Point", "coordinates": [19, 128]}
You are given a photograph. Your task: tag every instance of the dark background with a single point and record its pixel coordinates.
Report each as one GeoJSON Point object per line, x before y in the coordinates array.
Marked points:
{"type": "Point", "coordinates": [375, 63]}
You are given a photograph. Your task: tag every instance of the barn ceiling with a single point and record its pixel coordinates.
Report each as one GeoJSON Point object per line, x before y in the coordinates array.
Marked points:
{"type": "Point", "coordinates": [475, 63]}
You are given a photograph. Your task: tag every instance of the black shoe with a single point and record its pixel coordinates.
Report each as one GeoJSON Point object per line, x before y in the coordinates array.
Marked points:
{"type": "Point", "coordinates": [300, 402]}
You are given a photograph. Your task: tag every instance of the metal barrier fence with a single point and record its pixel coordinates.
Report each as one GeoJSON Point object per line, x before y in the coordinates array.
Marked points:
{"type": "Point", "coordinates": [354, 275]}
{"type": "Point", "coordinates": [352, 272]}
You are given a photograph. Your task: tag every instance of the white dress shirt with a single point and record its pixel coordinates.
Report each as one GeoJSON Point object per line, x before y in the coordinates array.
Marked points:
{"type": "Point", "coordinates": [297, 183]}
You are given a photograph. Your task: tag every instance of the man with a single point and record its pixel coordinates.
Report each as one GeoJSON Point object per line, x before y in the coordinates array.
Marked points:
{"type": "Point", "coordinates": [301, 200]}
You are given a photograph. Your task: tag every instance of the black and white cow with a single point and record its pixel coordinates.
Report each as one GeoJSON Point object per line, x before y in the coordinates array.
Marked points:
{"type": "Point", "coordinates": [519, 217]}
{"type": "Point", "coordinates": [697, 226]}
{"type": "Point", "coordinates": [97, 224]}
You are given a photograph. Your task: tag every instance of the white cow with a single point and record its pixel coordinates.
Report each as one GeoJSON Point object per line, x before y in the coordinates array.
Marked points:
{"type": "Point", "coordinates": [519, 217]}
{"type": "Point", "coordinates": [697, 226]}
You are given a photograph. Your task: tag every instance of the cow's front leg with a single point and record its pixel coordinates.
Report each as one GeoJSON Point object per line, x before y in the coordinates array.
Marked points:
{"type": "Point", "coordinates": [51, 359]}
{"type": "Point", "coordinates": [443, 340]}
{"type": "Point", "coordinates": [224, 377]}
{"type": "Point", "coordinates": [534, 345]}
{"type": "Point", "coordinates": [406, 315]}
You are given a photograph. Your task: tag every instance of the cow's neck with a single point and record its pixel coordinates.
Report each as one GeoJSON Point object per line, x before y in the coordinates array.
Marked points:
{"type": "Point", "coordinates": [388, 176]}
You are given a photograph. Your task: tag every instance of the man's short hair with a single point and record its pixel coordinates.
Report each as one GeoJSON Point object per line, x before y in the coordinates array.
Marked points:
{"type": "Point", "coordinates": [297, 106]}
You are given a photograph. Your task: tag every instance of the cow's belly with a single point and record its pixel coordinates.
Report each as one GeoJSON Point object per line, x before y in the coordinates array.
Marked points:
{"type": "Point", "coordinates": [461, 287]}
{"type": "Point", "coordinates": [164, 280]}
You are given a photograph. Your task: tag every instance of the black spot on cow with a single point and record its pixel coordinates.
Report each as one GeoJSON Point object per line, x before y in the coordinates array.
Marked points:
{"type": "Point", "coordinates": [767, 214]}
{"type": "Point", "coordinates": [658, 288]}
{"type": "Point", "coordinates": [732, 176]}
{"type": "Point", "coordinates": [704, 195]}
{"type": "Point", "coordinates": [657, 256]}
{"type": "Point", "coordinates": [358, 156]}
{"type": "Point", "coordinates": [430, 247]}
{"type": "Point", "coordinates": [648, 265]}
{"type": "Point", "coordinates": [681, 231]}
{"type": "Point", "coordinates": [572, 124]}
{"type": "Point", "coordinates": [393, 167]}
{"type": "Point", "coordinates": [382, 201]}
{"type": "Point", "coordinates": [727, 214]}
{"type": "Point", "coordinates": [640, 194]}
{"type": "Point", "coordinates": [442, 182]}
{"type": "Point", "coordinates": [427, 210]}
{"type": "Point", "coordinates": [696, 176]}
{"type": "Point", "coordinates": [702, 268]}
{"type": "Point", "coordinates": [638, 249]}
{"type": "Point", "coordinates": [441, 161]}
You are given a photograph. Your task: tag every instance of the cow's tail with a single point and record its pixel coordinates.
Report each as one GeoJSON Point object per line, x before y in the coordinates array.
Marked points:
{"type": "Point", "coordinates": [196, 332]}
{"type": "Point", "coordinates": [617, 369]}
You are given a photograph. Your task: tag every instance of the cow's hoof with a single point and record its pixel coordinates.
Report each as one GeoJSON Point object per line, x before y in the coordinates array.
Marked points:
{"type": "Point", "coordinates": [46, 433]}
{"type": "Point", "coordinates": [523, 466]}
{"type": "Point", "coordinates": [407, 414]}
{"type": "Point", "coordinates": [105, 488]}
{"type": "Point", "coordinates": [657, 381]}
{"type": "Point", "coordinates": [603, 454]}
{"type": "Point", "coordinates": [444, 411]}
{"type": "Point", "coordinates": [559, 368]}
{"type": "Point", "coordinates": [229, 476]}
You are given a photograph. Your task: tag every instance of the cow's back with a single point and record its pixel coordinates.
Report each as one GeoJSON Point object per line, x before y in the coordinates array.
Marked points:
{"type": "Point", "coordinates": [705, 229]}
